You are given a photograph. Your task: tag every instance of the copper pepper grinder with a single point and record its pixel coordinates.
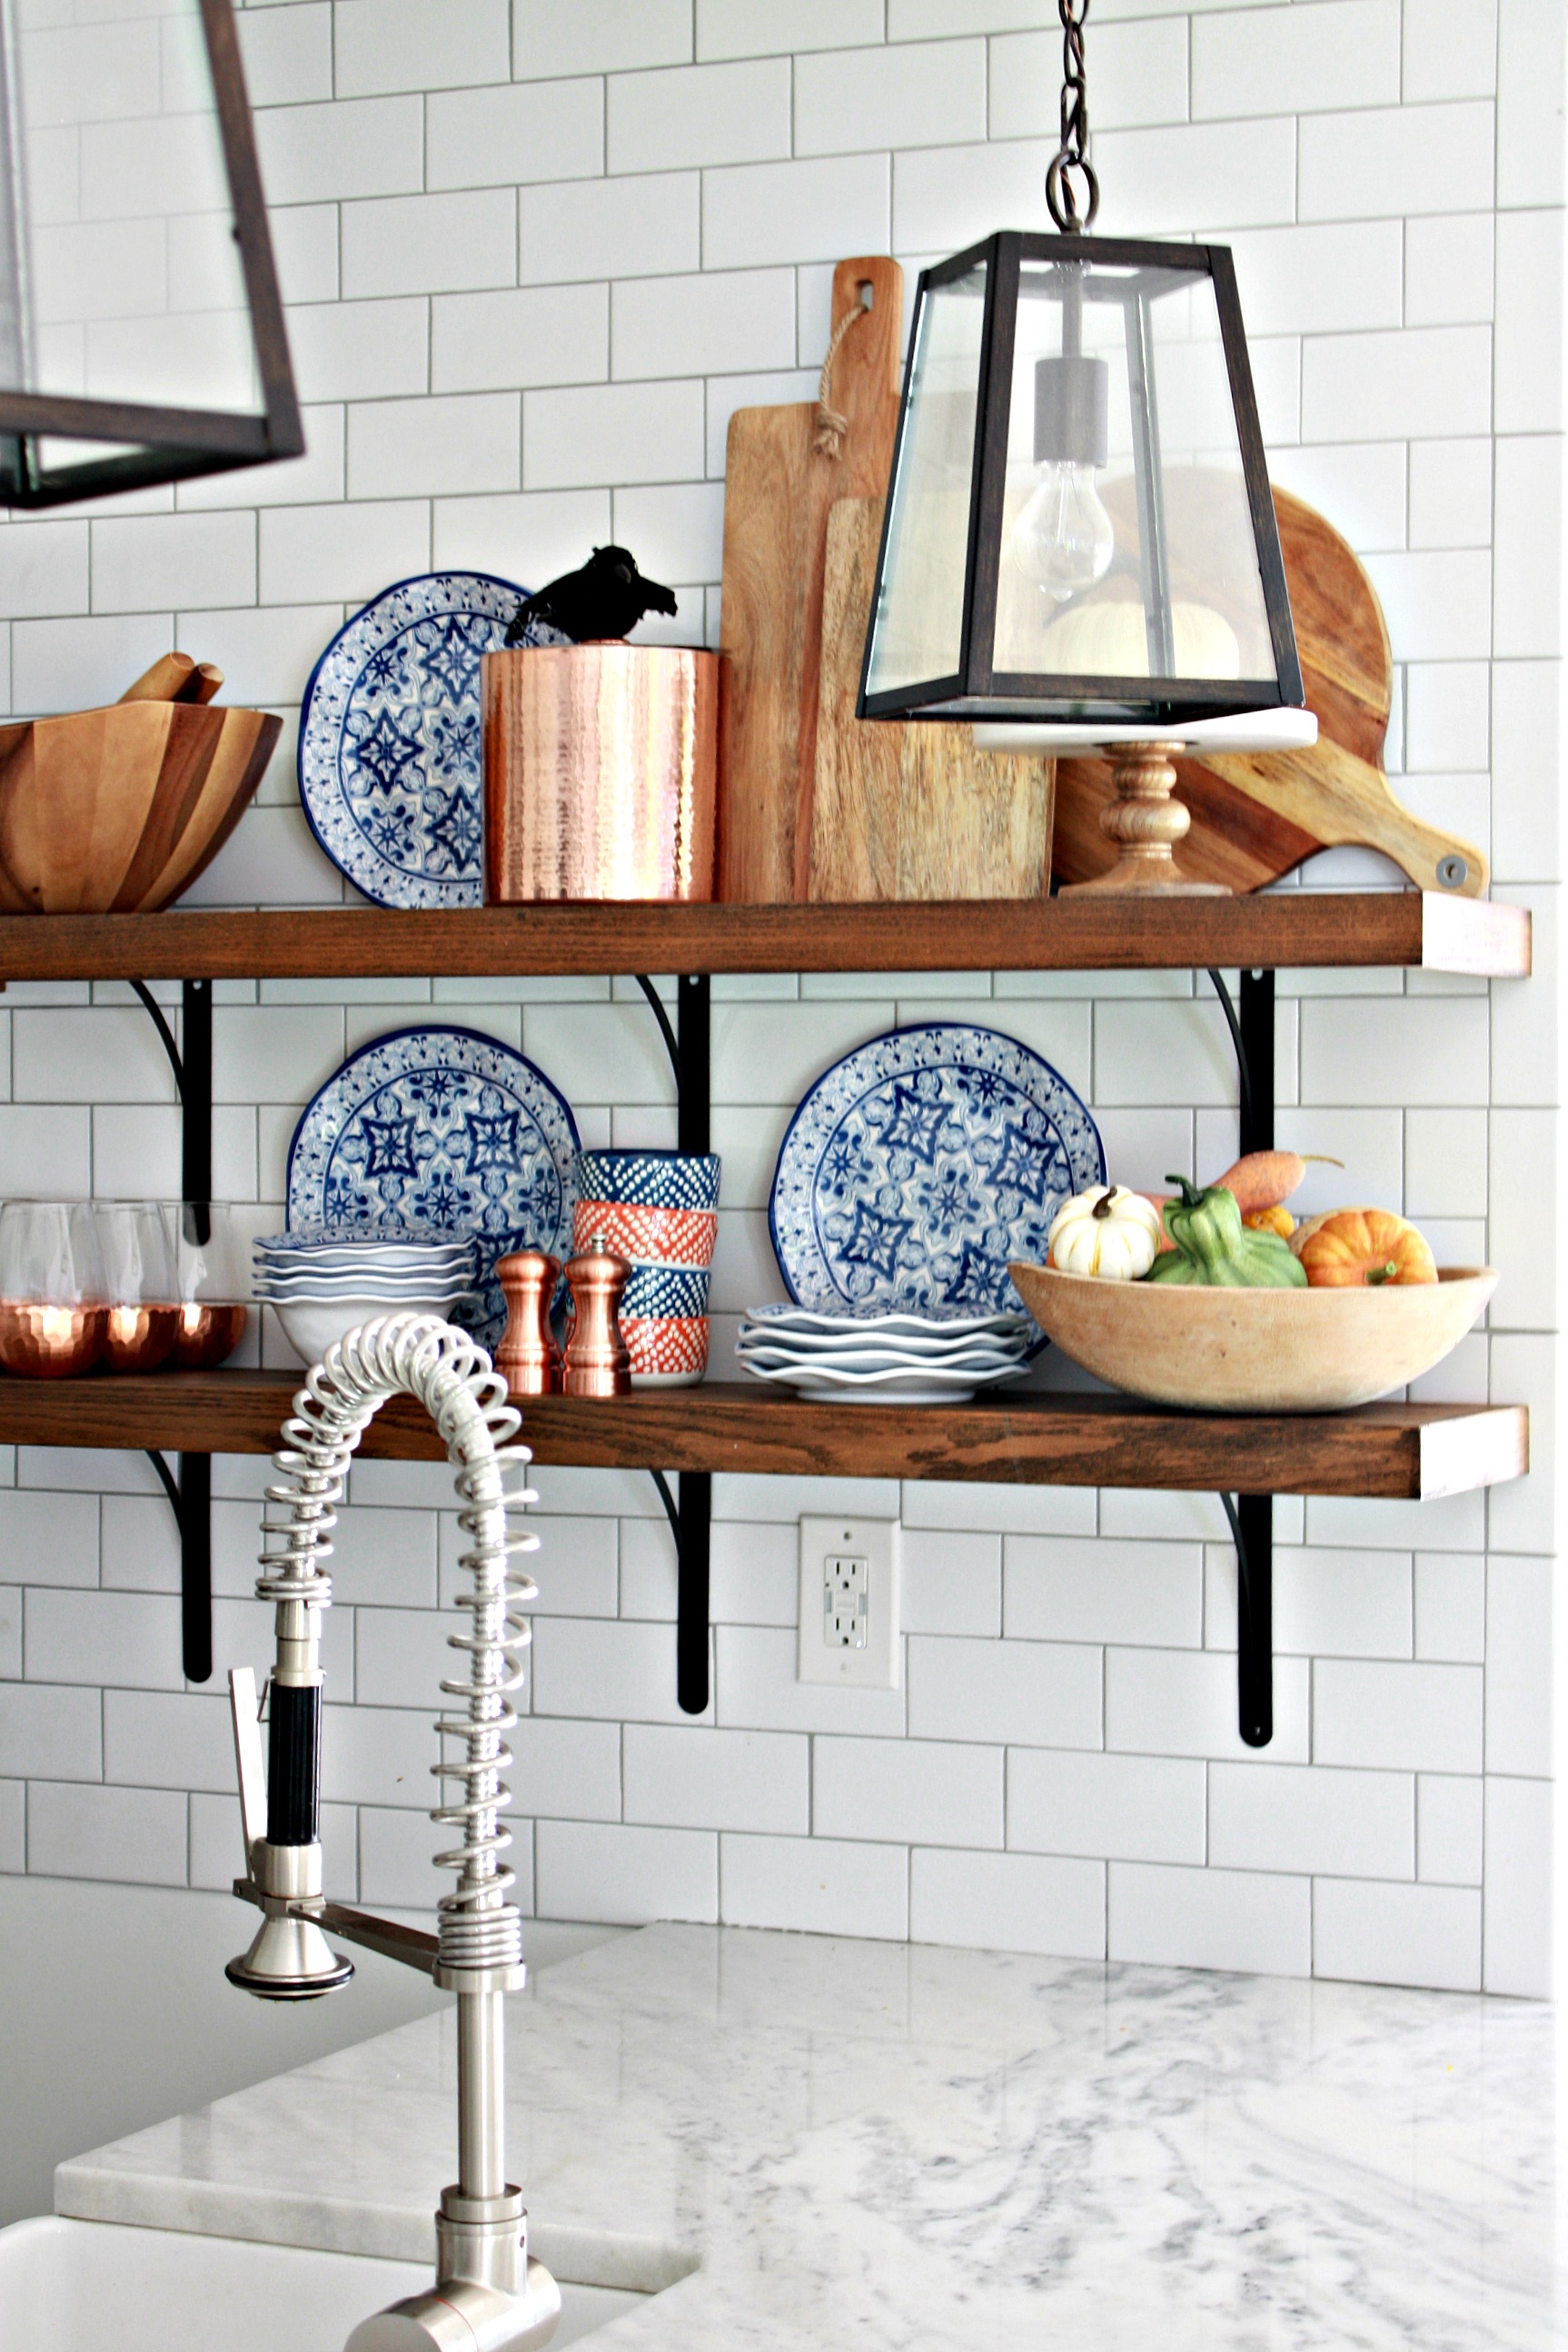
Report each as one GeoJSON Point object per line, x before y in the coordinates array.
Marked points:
{"type": "Point", "coordinates": [527, 1359]}
{"type": "Point", "coordinates": [597, 1363]}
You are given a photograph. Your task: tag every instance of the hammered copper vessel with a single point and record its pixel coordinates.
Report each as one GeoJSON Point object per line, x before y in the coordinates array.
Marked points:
{"type": "Point", "coordinates": [50, 1343]}
{"type": "Point", "coordinates": [600, 768]}
{"type": "Point", "coordinates": [527, 1359]}
{"type": "Point", "coordinates": [208, 1332]}
{"type": "Point", "coordinates": [596, 1362]}
{"type": "Point", "coordinates": [138, 1339]}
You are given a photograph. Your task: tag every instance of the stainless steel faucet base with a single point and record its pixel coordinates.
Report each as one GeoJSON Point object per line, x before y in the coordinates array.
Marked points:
{"type": "Point", "coordinates": [461, 2315]}
{"type": "Point", "coordinates": [289, 1959]}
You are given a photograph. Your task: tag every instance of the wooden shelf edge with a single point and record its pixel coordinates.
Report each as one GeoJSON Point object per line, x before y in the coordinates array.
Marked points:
{"type": "Point", "coordinates": [1305, 928]}
{"type": "Point", "coordinates": [1403, 1451]}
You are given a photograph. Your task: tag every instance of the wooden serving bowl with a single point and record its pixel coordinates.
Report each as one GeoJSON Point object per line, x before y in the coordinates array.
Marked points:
{"type": "Point", "coordinates": [1255, 1351]}
{"type": "Point", "coordinates": [117, 810]}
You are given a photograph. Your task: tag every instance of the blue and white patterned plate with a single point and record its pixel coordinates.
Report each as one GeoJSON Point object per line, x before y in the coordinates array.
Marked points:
{"type": "Point", "coordinates": [444, 1127]}
{"type": "Point", "coordinates": [917, 1166]}
{"type": "Point", "coordinates": [389, 737]}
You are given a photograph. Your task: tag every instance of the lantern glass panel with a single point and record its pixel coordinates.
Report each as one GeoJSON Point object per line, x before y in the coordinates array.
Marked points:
{"type": "Point", "coordinates": [918, 633]}
{"type": "Point", "coordinates": [120, 274]}
{"type": "Point", "coordinates": [1127, 548]}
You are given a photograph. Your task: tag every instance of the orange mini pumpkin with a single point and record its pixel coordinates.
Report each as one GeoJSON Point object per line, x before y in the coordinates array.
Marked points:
{"type": "Point", "coordinates": [1353, 1247]}
{"type": "Point", "coordinates": [1274, 1220]}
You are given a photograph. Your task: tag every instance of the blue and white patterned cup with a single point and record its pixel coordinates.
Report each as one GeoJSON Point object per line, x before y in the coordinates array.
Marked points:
{"type": "Point", "coordinates": [650, 1179]}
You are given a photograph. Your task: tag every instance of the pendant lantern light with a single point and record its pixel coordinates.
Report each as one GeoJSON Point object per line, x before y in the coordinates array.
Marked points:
{"type": "Point", "coordinates": [1080, 547]}
{"type": "Point", "coordinates": [142, 335]}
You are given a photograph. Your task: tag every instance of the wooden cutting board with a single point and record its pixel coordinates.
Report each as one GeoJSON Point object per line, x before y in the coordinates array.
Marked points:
{"type": "Point", "coordinates": [778, 488]}
{"type": "Point", "coordinates": [910, 812]}
{"type": "Point", "coordinates": [1257, 816]}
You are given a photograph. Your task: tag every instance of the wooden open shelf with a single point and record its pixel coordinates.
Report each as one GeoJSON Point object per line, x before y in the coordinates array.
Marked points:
{"type": "Point", "coordinates": [1287, 928]}
{"type": "Point", "coordinates": [1404, 1450]}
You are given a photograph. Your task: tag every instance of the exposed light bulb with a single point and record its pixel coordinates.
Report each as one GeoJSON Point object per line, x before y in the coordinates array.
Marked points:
{"type": "Point", "coordinates": [1063, 540]}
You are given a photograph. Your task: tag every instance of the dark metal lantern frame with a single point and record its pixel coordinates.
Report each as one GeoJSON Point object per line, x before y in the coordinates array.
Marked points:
{"type": "Point", "coordinates": [977, 690]}
{"type": "Point", "coordinates": [169, 445]}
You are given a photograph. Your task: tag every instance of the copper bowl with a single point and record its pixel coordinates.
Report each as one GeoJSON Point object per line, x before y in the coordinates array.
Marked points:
{"type": "Point", "coordinates": [208, 1333]}
{"type": "Point", "coordinates": [138, 1339]}
{"type": "Point", "coordinates": [50, 1343]}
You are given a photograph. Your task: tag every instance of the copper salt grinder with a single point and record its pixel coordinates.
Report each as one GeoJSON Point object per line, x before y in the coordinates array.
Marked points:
{"type": "Point", "coordinates": [527, 1359]}
{"type": "Point", "coordinates": [597, 1363]}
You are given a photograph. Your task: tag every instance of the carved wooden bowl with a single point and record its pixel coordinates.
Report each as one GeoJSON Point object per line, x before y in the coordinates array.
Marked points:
{"type": "Point", "coordinates": [117, 810]}
{"type": "Point", "coordinates": [1255, 1351]}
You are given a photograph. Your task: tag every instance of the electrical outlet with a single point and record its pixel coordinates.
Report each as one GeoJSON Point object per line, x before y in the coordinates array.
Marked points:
{"type": "Point", "coordinates": [849, 1602]}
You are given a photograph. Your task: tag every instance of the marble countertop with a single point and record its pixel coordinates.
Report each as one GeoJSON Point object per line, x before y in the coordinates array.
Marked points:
{"type": "Point", "coordinates": [812, 2142]}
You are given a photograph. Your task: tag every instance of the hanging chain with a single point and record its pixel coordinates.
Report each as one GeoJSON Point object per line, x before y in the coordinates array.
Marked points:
{"type": "Point", "coordinates": [1073, 153]}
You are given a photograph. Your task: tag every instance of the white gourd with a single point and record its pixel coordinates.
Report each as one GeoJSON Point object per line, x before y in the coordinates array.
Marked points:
{"type": "Point", "coordinates": [1109, 1232]}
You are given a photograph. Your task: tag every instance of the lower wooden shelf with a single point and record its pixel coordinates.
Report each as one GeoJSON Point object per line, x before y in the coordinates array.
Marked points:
{"type": "Point", "coordinates": [1401, 1451]}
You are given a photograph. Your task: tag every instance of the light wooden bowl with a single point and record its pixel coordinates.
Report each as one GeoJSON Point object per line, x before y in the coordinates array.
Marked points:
{"type": "Point", "coordinates": [117, 810]}
{"type": "Point", "coordinates": [1255, 1351]}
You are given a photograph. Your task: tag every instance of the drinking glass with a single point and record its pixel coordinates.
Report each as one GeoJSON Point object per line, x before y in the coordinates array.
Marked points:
{"type": "Point", "coordinates": [212, 1283]}
{"type": "Point", "coordinates": [137, 1242]}
{"type": "Point", "coordinates": [53, 1317]}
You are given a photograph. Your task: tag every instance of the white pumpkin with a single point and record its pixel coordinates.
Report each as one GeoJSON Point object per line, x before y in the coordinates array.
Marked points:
{"type": "Point", "coordinates": [1109, 639]}
{"type": "Point", "coordinates": [1109, 1230]}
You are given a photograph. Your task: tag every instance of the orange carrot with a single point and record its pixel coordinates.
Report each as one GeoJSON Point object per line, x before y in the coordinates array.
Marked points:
{"type": "Point", "coordinates": [1263, 1178]}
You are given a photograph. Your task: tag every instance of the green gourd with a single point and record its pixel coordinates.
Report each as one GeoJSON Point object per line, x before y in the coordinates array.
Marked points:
{"type": "Point", "coordinates": [1214, 1249]}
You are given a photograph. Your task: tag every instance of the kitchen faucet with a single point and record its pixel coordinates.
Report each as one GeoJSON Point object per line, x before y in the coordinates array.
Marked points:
{"type": "Point", "coordinates": [488, 2295]}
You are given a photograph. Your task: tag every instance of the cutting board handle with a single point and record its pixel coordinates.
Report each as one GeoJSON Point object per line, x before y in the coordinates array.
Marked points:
{"type": "Point", "coordinates": [868, 303]}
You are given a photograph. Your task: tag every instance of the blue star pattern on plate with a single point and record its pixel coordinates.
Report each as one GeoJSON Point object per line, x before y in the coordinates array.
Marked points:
{"type": "Point", "coordinates": [389, 737]}
{"type": "Point", "coordinates": [444, 1129]}
{"type": "Point", "coordinates": [921, 1162]}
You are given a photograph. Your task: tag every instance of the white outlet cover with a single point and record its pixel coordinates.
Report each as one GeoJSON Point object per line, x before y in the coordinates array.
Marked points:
{"type": "Point", "coordinates": [875, 1666]}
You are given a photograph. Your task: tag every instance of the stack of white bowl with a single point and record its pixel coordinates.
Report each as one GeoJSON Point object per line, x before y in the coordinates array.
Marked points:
{"type": "Point", "coordinates": [884, 1357]}
{"type": "Point", "coordinates": [323, 1280]}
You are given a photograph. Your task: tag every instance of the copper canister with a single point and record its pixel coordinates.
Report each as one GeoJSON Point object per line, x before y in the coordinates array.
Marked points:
{"type": "Point", "coordinates": [596, 1362]}
{"type": "Point", "coordinates": [600, 765]}
{"type": "Point", "coordinates": [527, 1359]}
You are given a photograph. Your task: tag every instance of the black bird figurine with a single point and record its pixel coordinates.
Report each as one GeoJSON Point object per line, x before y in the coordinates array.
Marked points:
{"type": "Point", "coordinates": [604, 599]}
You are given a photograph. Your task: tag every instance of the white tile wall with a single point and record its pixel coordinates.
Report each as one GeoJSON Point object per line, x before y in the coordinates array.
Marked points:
{"type": "Point", "coordinates": [536, 258]}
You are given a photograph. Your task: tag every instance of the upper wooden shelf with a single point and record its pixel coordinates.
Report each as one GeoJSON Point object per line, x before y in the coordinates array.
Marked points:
{"type": "Point", "coordinates": [1403, 1451]}
{"type": "Point", "coordinates": [1285, 928]}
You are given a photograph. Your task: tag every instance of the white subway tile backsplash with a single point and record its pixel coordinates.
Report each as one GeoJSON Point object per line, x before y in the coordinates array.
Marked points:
{"type": "Point", "coordinates": [1325, 53]}
{"type": "Point", "coordinates": [615, 432]}
{"type": "Point", "coordinates": [951, 1581]}
{"type": "Point", "coordinates": [175, 1740]}
{"type": "Point", "coordinates": [287, 53]}
{"type": "Point", "coordinates": [1182, 1703]}
{"type": "Point", "coordinates": [417, 44]}
{"type": "Point", "coordinates": [135, 1835]}
{"type": "Point", "coordinates": [1531, 38]}
{"type": "Point", "coordinates": [602, 1870]}
{"type": "Point", "coordinates": [935, 1792]}
{"type": "Point", "coordinates": [714, 323]}
{"type": "Point", "coordinates": [49, 1539]}
{"type": "Point", "coordinates": [1517, 1898]}
{"type": "Point", "coordinates": [824, 1886]}
{"type": "Point", "coordinates": [1133, 1808]}
{"type": "Point", "coordinates": [434, 244]}
{"type": "Point", "coordinates": [1451, 50]}
{"type": "Point", "coordinates": [746, 28]}
{"type": "Point", "coordinates": [1519, 1667]}
{"type": "Point", "coordinates": [930, 94]}
{"type": "Point", "coordinates": [1044, 1693]}
{"type": "Point", "coordinates": [699, 114]}
{"type": "Point", "coordinates": [758, 1781]}
{"type": "Point", "coordinates": [756, 1688]}
{"type": "Point", "coordinates": [519, 336]}
{"type": "Point", "coordinates": [815, 210]}
{"type": "Point", "coordinates": [1397, 1935]}
{"type": "Point", "coordinates": [1417, 1718]}
{"type": "Point", "coordinates": [1381, 160]}
{"type": "Point", "coordinates": [1066, 1591]}
{"type": "Point", "coordinates": [1448, 1830]}
{"type": "Point", "coordinates": [627, 228]}
{"type": "Point", "coordinates": [51, 1731]}
{"type": "Point", "coordinates": [43, 568]}
{"type": "Point", "coordinates": [1140, 77]}
{"type": "Point", "coordinates": [348, 552]}
{"type": "Point", "coordinates": [1306, 1817]}
{"type": "Point", "coordinates": [595, 37]}
{"type": "Point", "coordinates": [436, 447]}
{"type": "Point", "coordinates": [355, 147]}
{"type": "Point", "coordinates": [1008, 1903]}
{"type": "Point", "coordinates": [1209, 1918]}
{"type": "Point", "coordinates": [585, 1666]}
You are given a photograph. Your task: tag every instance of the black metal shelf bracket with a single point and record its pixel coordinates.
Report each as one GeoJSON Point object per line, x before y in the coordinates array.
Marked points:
{"type": "Point", "coordinates": [1251, 1517]}
{"type": "Point", "coordinates": [190, 1493]}
{"type": "Point", "coordinates": [689, 1045]}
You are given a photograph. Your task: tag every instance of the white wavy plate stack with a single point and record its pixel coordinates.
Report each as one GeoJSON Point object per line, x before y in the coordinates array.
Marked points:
{"type": "Point", "coordinates": [889, 1358]}
{"type": "Point", "coordinates": [323, 1280]}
